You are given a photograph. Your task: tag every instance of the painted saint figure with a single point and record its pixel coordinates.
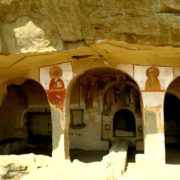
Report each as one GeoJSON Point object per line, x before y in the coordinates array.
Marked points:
{"type": "Point", "coordinates": [152, 83]}
{"type": "Point", "coordinates": [56, 92]}
{"type": "Point", "coordinates": [89, 87]}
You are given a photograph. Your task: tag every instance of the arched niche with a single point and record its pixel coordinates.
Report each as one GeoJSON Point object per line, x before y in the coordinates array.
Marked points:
{"type": "Point", "coordinates": [25, 118]}
{"type": "Point", "coordinates": [87, 106]}
{"type": "Point", "coordinates": [172, 122]}
{"type": "Point", "coordinates": [124, 124]}
{"type": "Point", "coordinates": [123, 95]}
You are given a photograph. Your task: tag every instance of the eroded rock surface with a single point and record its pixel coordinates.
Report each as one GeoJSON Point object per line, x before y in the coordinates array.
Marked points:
{"type": "Point", "coordinates": [39, 26]}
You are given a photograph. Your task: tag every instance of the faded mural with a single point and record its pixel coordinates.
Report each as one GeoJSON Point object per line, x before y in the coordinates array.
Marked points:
{"type": "Point", "coordinates": [55, 79]}
{"type": "Point", "coordinates": [153, 78]}
{"type": "Point", "coordinates": [96, 83]}
{"type": "Point", "coordinates": [152, 82]}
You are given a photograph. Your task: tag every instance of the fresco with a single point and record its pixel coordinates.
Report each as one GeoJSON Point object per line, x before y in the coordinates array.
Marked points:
{"type": "Point", "coordinates": [152, 82]}
{"type": "Point", "coordinates": [55, 80]}
{"type": "Point", "coordinates": [93, 84]}
{"type": "Point", "coordinates": [153, 78]}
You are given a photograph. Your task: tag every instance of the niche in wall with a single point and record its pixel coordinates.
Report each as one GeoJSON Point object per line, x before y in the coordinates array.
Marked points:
{"type": "Point", "coordinates": [124, 123]}
{"type": "Point", "coordinates": [25, 120]}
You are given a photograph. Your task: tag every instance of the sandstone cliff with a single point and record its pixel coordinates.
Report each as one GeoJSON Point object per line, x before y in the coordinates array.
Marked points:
{"type": "Point", "coordinates": [51, 25]}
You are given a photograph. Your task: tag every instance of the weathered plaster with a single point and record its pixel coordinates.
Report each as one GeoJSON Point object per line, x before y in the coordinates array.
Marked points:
{"type": "Point", "coordinates": [154, 134]}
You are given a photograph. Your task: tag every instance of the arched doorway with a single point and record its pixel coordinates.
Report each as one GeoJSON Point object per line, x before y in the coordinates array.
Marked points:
{"type": "Point", "coordinates": [96, 96]}
{"type": "Point", "coordinates": [25, 119]}
{"type": "Point", "coordinates": [122, 117]}
{"type": "Point", "coordinates": [172, 122]}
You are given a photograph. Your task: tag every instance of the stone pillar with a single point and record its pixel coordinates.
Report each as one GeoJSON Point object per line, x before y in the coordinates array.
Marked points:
{"type": "Point", "coordinates": [58, 152]}
{"type": "Point", "coordinates": [154, 127]}
{"type": "Point", "coordinates": [154, 134]}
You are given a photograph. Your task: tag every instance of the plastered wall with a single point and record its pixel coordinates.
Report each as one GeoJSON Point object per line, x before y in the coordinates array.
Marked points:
{"type": "Point", "coordinates": [87, 137]}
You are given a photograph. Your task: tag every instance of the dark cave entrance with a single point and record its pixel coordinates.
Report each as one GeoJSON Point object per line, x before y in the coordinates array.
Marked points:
{"type": "Point", "coordinates": [172, 122]}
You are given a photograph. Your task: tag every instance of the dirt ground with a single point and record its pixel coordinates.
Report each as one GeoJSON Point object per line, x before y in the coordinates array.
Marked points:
{"type": "Point", "coordinates": [88, 165]}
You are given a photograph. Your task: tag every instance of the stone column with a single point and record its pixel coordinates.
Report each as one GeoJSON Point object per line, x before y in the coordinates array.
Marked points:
{"type": "Point", "coordinates": [154, 127]}
{"type": "Point", "coordinates": [58, 152]}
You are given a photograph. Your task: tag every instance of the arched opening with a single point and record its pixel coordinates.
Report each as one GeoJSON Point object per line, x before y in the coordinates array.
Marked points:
{"type": "Point", "coordinates": [25, 119]}
{"type": "Point", "coordinates": [124, 123]}
{"type": "Point", "coordinates": [172, 122]}
{"type": "Point", "coordinates": [99, 97]}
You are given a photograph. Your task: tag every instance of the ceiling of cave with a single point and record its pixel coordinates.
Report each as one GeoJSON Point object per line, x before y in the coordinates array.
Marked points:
{"type": "Point", "coordinates": [38, 33]}
{"type": "Point", "coordinates": [56, 25]}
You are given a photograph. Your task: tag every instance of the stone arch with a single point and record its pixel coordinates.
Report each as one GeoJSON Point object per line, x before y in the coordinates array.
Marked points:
{"type": "Point", "coordinates": [171, 121]}
{"type": "Point", "coordinates": [75, 78]}
{"type": "Point", "coordinates": [172, 88]}
{"type": "Point", "coordinates": [68, 95]}
{"type": "Point", "coordinates": [32, 108]}
{"type": "Point", "coordinates": [131, 105]}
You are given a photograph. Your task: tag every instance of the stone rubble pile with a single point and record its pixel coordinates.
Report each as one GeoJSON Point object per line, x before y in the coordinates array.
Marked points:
{"type": "Point", "coordinates": [115, 162]}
